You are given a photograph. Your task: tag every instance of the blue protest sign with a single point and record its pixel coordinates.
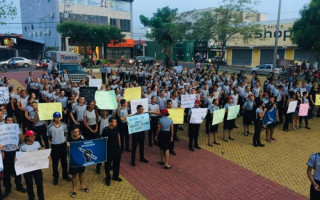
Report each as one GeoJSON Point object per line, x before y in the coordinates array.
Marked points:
{"type": "Point", "coordinates": [138, 123]}
{"type": "Point", "coordinates": [270, 116]}
{"type": "Point", "coordinates": [89, 152]}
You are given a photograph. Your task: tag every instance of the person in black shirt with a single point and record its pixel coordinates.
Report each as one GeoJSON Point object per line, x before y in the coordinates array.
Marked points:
{"type": "Point", "coordinates": [113, 150]}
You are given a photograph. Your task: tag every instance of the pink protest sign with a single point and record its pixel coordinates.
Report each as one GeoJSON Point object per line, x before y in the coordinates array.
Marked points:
{"type": "Point", "coordinates": [303, 111]}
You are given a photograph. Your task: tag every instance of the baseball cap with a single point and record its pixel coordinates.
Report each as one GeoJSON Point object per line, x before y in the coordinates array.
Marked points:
{"type": "Point", "coordinates": [164, 111]}
{"type": "Point", "coordinates": [56, 115]}
{"type": "Point", "coordinates": [29, 133]}
{"type": "Point", "coordinates": [197, 101]}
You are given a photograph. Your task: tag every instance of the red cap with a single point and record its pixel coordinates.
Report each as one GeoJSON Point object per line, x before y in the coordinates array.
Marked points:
{"type": "Point", "coordinates": [266, 93]}
{"type": "Point", "coordinates": [29, 133]}
{"type": "Point", "coordinates": [251, 95]}
{"type": "Point", "coordinates": [230, 97]}
{"type": "Point", "coordinates": [164, 111]}
{"type": "Point", "coordinates": [197, 101]}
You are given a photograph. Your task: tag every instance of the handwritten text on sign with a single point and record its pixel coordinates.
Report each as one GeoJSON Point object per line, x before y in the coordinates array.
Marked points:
{"type": "Point", "coordinates": [4, 95]}
{"type": "Point", "coordinates": [187, 101]}
{"type": "Point", "coordinates": [31, 161]}
{"type": "Point", "coordinates": [9, 134]}
{"type": "Point", "coordinates": [138, 123]}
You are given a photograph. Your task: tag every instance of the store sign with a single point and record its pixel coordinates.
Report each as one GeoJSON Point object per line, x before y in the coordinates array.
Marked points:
{"type": "Point", "coordinates": [129, 43]}
{"type": "Point", "coordinates": [271, 32]}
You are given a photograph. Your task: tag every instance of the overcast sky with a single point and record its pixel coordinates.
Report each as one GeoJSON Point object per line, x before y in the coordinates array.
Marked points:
{"type": "Point", "coordinates": [290, 9]}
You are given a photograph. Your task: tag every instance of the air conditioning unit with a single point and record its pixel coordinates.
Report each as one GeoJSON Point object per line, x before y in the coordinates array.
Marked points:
{"type": "Point", "coordinates": [51, 15]}
{"type": "Point", "coordinates": [41, 18]}
{"type": "Point", "coordinates": [35, 34]}
{"type": "Point", "coordinates": [48, 31]}
{"type": "Point", "coordinates": [39, 33]}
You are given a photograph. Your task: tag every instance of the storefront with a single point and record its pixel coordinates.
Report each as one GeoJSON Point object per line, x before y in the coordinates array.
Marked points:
{"type": "Point", "coordinates": [120, 50]}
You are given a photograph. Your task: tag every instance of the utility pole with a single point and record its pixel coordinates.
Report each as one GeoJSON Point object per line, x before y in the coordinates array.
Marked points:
{"type": "Point", "coordinates": [275, 52]}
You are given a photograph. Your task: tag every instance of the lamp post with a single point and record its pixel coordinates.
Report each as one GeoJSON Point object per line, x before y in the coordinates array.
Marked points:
{"type": "Point", "coordinates": [275, 52]}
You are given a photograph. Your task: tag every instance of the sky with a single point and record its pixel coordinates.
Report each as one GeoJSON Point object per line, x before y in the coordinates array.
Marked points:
{"type": "Point", "coordinates": [290, 9]}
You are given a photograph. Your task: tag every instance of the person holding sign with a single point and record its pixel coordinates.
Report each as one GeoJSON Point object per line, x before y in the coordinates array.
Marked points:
{"type": "Point", "coordinates": [123, 126]}
{"type": "Point", "coordinates": [228, 125]}
{"type": "Point", "coordinates": [213, 134]}
{"type": "Point", "coordinates": [305, 100]}
{"type": "Point", "coordinates": [90, 118]}
{"type": "Point", "coordinates": [270, 127]}
{"type": "Point", "coordinates": [113, 151]}
{"type": "Point", "coordinates": [164, 136]}
{"type": "Point", "coordinates": [175, 130]}
{"type": "Point", "coordinates": [79, 111]}
{"type": "Point", "coordinates": [288, 116]}
{"type": "Point", "coordinates": [32, 145]}
{"type": "Point", "coordinates": [138, 138]}
{"type": "Point", "coordinates": [40, 127]}
{"type": "Point", "coordinates": [154, 112]}
{"type": "Point", "coordinates": [193, 132]}
{"type": "Point", "coordinates": [259, 114]}
{"type": "Point", "coordinates": [248, 114]}
{"type": "Point", "coordinates": [74, 171]}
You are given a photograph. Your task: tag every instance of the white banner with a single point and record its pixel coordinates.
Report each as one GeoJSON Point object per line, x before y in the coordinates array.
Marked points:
{"type": "Point", "coordinates": [31, 161]}
{"type": "Point", "coordinates": [9, 134]}
{"type": "Point", "coordinates": [134, 103]}
{"type": "Point", "coordinates": [292, 106]}
{"type": "Point", "coordinates": [187, 101]}
{"type": "Point", "coordinates": [4, 95]}
{"type": "Point", "coordinates": [198, 115]}
{"type": "Point", "coordinates": [95, 83]}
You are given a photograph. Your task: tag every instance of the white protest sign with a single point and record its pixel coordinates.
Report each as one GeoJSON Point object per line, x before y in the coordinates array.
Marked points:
{"type": "Point", "coordinates": [4, 95]}
{"type": "Point", "coordinates": [31, 161]}
{"type": "Point", "coordinates": [95, 83]}
{"type": "Point", "coordinates": [178, 69]}
{"type": "Point", "coordinates": [292, 106]}
{"type": "Point", "coordinates": [134, 103]}
{"type": "Point", "coordinates": [9, 134]}
{"type": "Point", "coordinates": [187, 101]}
{"type": "Point", "coordinates": [198, 115]}
{"type": "Point", "coordinates": [1, 162]}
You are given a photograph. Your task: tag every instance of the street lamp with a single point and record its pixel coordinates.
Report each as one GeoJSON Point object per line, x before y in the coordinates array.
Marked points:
{"type": "Point", "coordinates": [275, 52]}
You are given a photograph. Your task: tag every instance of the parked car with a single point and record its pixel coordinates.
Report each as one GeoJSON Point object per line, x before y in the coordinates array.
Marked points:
{"type": "Point", "coordinates": [19, 62]}
{"type": "Point", "coordinates": [266, 69]}
{"type": "Point", "coordinates": [143, 60]}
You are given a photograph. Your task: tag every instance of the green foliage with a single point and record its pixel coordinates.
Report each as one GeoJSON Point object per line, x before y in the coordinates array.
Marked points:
{"type": "Point", "coordinates": [306, 30]}
{"type": "Point", "coordinates": [7, 10]}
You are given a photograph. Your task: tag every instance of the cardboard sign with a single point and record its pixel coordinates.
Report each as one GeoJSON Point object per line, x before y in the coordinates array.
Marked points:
{"type": "Point", "coordinates": [106, 100]}
{"type": "Point", "coordinates": [88, 93]}
{"type": "Point", "coordinates": [31, 161]}
{"type": "Point", "coordinates": [4, 95]}
{"type": "Point", "coordinates": [132, 93]}
{"type": "Point", "coordinates": [138, 123]}
{"type": "Point", "coordinates": [46, 110]}
{"type": "Point", "coordinates": [177, 115]}
{"type": "Point", "coordinates": [187, 101]}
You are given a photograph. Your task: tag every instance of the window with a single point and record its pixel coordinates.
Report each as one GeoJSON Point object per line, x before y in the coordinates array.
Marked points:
{"type": "Point", "coordinates": [125, 25]}
{"type": "Point", "coordinates": [25, 28]}
{"type": "Point", "coordinates": [32, 27]}
{"type": "Point", "coordinates": [113, 22]}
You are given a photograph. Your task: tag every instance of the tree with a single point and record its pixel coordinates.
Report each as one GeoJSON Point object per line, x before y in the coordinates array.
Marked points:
{"type": "Point", "coordinates": [92, 35]}
{"type": "Point", "coordinates": [6, 10]}
{"type": "Point", "coordinates": [233, 17]}
{"type": "Point", "coordinates": [306, 30]}
{"type": "Point", "coordinates": [164, 30]}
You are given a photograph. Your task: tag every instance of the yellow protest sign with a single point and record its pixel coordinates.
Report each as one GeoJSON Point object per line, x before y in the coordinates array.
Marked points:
{"type": "Point", "coordinates": [177, 115]}
{"type": "Point", "coordinates": [46, 110]}
{"type": "Point", "coordinates": [132, 93]}
{"type": "Point", "coordinates": [317, 100]}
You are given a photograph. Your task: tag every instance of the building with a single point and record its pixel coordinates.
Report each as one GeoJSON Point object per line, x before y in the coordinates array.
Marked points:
{"type": "Point", "coordinates": [40, 18]}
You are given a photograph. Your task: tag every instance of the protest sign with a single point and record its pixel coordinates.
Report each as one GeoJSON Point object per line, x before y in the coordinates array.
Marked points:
{"type": "Point", "coordinates": [178, 69]}
{"type": "Point", "coordinates": [233, 112]}
{"type": "Point", "coordinates": [89, 152]}
{"type": "Point", "coordinates": [135, 102]}
{"type": "Point", "coordinates": [9, 134]}
{"type": "Point", "coordinates": [177, 115]}
{"type": "Point", "coordinates": [187, 101]}
{"type": "Point", "coordinates": [198, 115]}
{"type": "Point", "coordinates": [132, 93]}
{"type": "Point", "coordinates": [88, 93]}
{"type": "Point", "coordinates": [31, 161]}
{"type": "Point", "coordinates": [1, 162]}
{"type": "Point", "coordinates": [4, 95]}
{"type": "Point", "coordinates": [270, 116]}
{"type": "Point", "coordinates": [218, 116]}
{"type": "Point", "coordinates": [95, 83]}
{"type": "Point", "coordinates": [292, 106]}
{"type": "Point", "coordinates": [46, 110]}
{"type": "Point", "coordinates": [106, 100]}
{"type": "Point", "coordinates": [138, 123]}
{"type": "Point", "coordinates": [303, 110]}
{"type": "Point", "coordinates": [317, 103]}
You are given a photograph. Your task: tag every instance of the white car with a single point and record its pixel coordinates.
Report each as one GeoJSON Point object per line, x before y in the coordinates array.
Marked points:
{"type": "Point", "coordinates": [266, 69]}
{"type": "Point", "coordinates": [20, 62]}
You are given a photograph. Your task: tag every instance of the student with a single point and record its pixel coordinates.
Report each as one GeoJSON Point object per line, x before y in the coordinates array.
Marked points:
{"type": "Point", "coordinates": [193, 131]}
{"type": "Point", "coordinates": [259, 114]}
{"type": "Point", "coordinates": [28, 146]}
{"type": "Point", "coordinates": [306, 120]}
{"type": "Point", "coordinates": [228, 125]}
{"type": "Point", "coordinates": [175, 130]}
{"type": "Point", "coordinates": [248, 114]}
{"type": "Point", "coordinates": [113, 150]}
{"type": "Point", "coordinates": [74, 171]}
{"type": "Point", "coordinates": [40, 127]}
{"type": "Point", "coordinates": [313, 164]}
{"type": "Point", "coordinates": [164, 136]}
{"type": "Point", "coordinates": [123, 126]}
{"type": "Point", "coordinates": [213, 135]}
{"type": "Point", "coordinates": [154, 113]}
{"type": "Point", "coordinates": [270, 127]}
{"type": "Point", "coordinates": [90, 122]}
{"type": "Point", "coordinates": [288, 116]}
{"type": "Point", "coordinates": [79, 110]}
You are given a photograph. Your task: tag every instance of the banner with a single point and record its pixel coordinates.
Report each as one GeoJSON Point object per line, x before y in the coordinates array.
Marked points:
{"type": "Point", "coordinates": [187, 101]}
{"type": "Point", "coordinates": [177, 115]}
{"type": "Point", "coordinates": [198, 115]}
{"type": "Point", "coordinates": [233, 112]}
{"type": "Point", "coordinates": [135, 102]}
{"type": "Point", "coordinates": [106, 100]}
{"type": "Point", "coordinates": [4, 95]}
{"type": "Point", "coordinates": [89, 152]}
{"type": "Point", "coordinates": [88, 93]}
{"type": "Point", "coordinates": [270, 116]}
{"type": "Point", "coordinates": [317, 103]}
{"type": "Point", "coordinates": [138, 123]}
{"type": "Point", "coordinates": [31, 161]}
{"type": "Point", "coordinates": [46, 110]}
{"type": "Point", "coordinates": [132, 93]}
{"type": "Point", "coordinates": [292, 107]}
{"type": "Point", "coordinates": [303, 110]}
{"type": "Point", "coordinates": [218, 116]}
{"type": "Point", "coordinates": [95, 83]}
{"type": "Point", "coordinates": [9, 134]}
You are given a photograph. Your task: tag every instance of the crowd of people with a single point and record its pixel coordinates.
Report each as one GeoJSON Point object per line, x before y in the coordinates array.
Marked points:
{"type": "Point", "coordinates": [163, 87]}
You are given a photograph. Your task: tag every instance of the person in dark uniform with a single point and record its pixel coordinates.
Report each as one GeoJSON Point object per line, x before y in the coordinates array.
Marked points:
{"type": "Point", "coordinates": [213, 134]}
{"type": "Point", "coordinates": [259, 114]}
{"type": "Point", "coordinates": [123, 126]}
{"type": "Point", "coordinates": [164, 137]}
{"type": "Point", "coordinates": [154, 115]}
{"type": "Point", "coordinates": [103, 71]}
{"type": "Point", "coordinates": [138, 138]}
{"type": "Point", "coordinates": [228, 125]}
{"type": "Point", "coordinates": [175, 130]}
{"type": "Point", "coordinates": [248, 114]}
{"type": "Point", "coordinates": [314, 164]}
{"type": "Point", "coordinates": [270, 127]}
{"type": "Point", "coordinates": [74, 171]}
{"type": "Point", "coordinates": [193, 132]}
{"type": "Point", "coordinates": [113, 150]}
